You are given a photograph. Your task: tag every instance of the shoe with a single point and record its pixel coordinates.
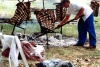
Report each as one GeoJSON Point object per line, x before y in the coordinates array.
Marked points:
{"type": "Point", "coordinates": [0, 46]}
{"type": "Point", "coordinates": [90, 47]}
{"type": "Point", "coordinates": [78, 44]}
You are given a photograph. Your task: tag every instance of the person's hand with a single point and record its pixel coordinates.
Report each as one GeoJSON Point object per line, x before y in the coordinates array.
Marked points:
{"type": "Point", "coordinates": [76, 18]}
{"type": "Point", "coordinates": [58, 26]}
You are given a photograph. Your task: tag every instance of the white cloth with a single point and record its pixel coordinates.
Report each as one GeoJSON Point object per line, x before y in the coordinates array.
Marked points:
{"type": "Point", "coordinates": [75, 7]}
{"type": "Point", "coordinates": [13, 41]}
{"type": "Point", "coordinates": [9, 41]}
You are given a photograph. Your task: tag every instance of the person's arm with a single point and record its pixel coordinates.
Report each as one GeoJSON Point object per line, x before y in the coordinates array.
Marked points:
{"type": "Point", "coordinates": [64, 20]}
{"type": "Point", "coordinates": [79, 13]}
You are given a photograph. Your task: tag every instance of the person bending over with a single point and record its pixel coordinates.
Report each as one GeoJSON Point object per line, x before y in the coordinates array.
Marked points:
{"type": "Point", "coordinates": [85, 23]}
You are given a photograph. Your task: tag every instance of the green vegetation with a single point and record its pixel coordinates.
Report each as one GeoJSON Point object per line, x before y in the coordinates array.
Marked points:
{"type": "Point", "coordinates": [67, 30]}
{"type": "Point", "coordinates": [80, 56]}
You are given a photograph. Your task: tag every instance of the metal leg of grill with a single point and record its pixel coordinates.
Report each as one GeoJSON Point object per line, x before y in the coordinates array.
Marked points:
{"type": "Point", "coordinates": [48, 46]}
{"type": "Point", "coordinates": [13, 30]}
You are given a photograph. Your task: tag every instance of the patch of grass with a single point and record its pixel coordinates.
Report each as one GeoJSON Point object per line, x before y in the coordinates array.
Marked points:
{"type": "Point", "coordinates": [80, 56]}
{"type": "Point", "coordinates": [7, 28]}
{"type": "Point", "coordinates": [70, 30]}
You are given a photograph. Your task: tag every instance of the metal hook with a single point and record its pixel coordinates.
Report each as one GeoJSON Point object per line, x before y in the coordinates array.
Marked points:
{"type": "Point", "coordinates": [20, 1]}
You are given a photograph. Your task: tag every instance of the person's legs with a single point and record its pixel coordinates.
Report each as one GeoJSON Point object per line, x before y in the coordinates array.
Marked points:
{"type": "Point", "coordinates": [81, 32]}
{"type": "Point", "coordinates": [91, 30]}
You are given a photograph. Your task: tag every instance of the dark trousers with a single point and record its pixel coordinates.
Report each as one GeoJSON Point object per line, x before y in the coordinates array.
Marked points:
{"type": "Point", "coordinates": [84, 27]}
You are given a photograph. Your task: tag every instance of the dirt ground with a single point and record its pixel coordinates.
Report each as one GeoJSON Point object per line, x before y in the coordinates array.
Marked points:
{"type": "Point", "coordinates": [79, 56]}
